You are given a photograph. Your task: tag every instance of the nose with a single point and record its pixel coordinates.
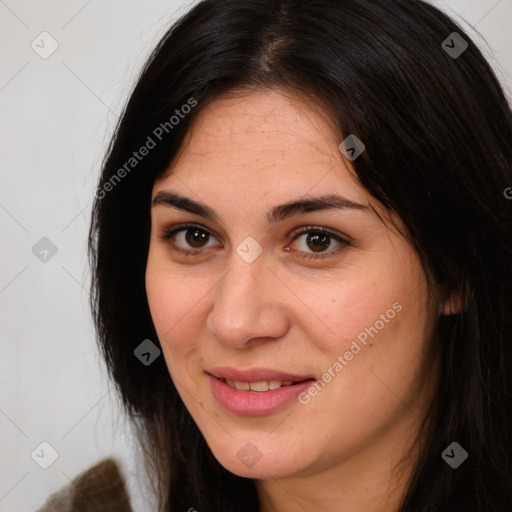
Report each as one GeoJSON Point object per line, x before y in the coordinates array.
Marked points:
{"type": "Point", "coordinates": [248, 307]}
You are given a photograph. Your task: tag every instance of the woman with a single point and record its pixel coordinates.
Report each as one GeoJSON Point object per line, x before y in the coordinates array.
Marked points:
{"type": "Point", "coordinates": [301, 253]}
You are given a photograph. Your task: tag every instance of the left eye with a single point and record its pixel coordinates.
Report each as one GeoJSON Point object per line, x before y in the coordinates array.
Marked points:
{"type": "Point", "coordinates": [318, 240]}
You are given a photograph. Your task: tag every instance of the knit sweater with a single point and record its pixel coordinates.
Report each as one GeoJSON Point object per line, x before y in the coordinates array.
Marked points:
{"type": "Point", "coordinates": [100, 488]}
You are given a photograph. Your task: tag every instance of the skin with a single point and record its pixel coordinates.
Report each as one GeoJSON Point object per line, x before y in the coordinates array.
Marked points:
{"type": "Point", "coordinates": [242, 156]}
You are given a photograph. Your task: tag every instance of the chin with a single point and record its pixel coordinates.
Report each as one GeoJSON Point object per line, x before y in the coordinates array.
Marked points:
{"type": "Point", "coordinates": [259, 471]}
{"type": "Point", "coordinates": [248, 461]}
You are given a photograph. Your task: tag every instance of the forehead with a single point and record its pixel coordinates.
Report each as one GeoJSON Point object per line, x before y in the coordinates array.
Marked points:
{"type": "Point", "coordinates": [263, 138]}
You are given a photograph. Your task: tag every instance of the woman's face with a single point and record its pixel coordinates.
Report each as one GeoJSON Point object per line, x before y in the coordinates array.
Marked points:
{"type": "Point", "coordinates": [258, 302]}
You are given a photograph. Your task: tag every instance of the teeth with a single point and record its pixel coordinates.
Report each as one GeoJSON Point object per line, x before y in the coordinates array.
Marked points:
{"type": "Point", "coordinates": [242, 386]}
{"type": "Point", "coordinates": [260, 386]}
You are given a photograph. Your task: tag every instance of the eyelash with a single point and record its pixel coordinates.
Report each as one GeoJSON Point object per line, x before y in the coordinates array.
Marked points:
{"type": "Point", "coordinates": [170, 232]}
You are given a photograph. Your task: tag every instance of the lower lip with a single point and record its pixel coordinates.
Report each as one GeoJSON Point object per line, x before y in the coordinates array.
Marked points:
{"type": "Point", "coordinates": [256, 403]}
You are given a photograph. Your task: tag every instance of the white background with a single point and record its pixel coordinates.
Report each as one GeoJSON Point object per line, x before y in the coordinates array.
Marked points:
{"type": "Point", "coordinates": [56, 115]}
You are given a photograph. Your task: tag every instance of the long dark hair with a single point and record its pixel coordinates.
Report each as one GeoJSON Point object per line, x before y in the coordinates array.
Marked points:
{"type": "Point", "coordinates": [438, 134]}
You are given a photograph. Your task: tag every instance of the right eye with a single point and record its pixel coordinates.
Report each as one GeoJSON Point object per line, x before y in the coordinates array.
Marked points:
{"type": "Point", "coordinates": [191, 234]}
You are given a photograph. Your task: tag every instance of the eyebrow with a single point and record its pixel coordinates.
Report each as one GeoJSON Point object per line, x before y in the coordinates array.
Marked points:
{"type": "Point", "coordinates": [276, 214]}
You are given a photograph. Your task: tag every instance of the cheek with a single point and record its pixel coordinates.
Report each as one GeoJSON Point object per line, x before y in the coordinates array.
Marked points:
{"type": "Point", "coordinates": [379, 315]}
{"type": "Point", "coordinates": [172, 291]}
{"type": "Point", "coordinates": [175, 301]}
{"type": "Point", "coordinates": [383, 343]}
{"type": "Point", "coordinates": [342, 306]}
{"type": "Point", "coordinates": [169, 300]}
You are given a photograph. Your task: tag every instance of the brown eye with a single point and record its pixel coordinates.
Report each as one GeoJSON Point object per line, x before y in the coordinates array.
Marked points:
{"type": "Point", "coordinates": [190, 239]}
{"type": "Point", "coordinates": [196, 237]}
{"type": "Point", "coordinates": [187, 239]}
{"type": "Point", "coordinates": [316, 241]}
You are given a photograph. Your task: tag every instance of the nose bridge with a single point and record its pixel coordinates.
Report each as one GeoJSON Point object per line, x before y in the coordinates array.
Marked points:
{"type": "Point", "coordinates": [245, 304]}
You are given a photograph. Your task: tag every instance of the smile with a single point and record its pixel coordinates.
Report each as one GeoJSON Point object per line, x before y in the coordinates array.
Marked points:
{"type": "Point", "coordinates": [256, 398]}
{"type": "Point", "coordinates": [260, 386]}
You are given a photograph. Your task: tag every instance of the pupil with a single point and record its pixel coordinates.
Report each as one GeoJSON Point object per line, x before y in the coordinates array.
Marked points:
{"type": "Point", "coordinates": [197, 237]}
{"type": "Point", "coordinates": [318, 238]}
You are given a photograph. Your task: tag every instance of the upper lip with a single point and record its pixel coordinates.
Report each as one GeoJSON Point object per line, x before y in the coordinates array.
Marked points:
{"type": "Point", "coordinates": [255, 374]}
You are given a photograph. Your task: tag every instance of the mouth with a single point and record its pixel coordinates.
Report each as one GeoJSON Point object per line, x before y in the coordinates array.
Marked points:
{"type": "Point", "coordinates": [257, 391]}
{"type": "Point", "coordinates": [261, 386]}
{"type": "Point", "coordinates": [255, 375]}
